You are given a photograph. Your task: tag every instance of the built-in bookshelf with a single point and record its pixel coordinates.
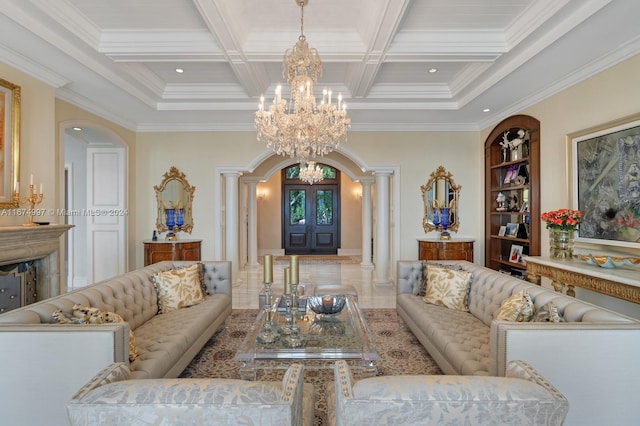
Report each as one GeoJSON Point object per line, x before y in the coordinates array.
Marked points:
{"type": "Point", "coordinates": [512, 194]}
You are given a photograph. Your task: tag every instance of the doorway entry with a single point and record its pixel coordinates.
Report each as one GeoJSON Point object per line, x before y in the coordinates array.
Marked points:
{"type": "Point", "coordinates": [311, 213]}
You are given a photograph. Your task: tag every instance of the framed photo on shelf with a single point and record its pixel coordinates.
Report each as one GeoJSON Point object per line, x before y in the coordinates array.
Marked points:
{"type": "Point", "coordinates": [503, 231]}
{"type": "Point", "coordinates": [515, 255]}
{"type": "Point", "coordinates": [512, 230]}
{"type": "Point", "coordinates": [605, 171]}
{"type": "Point", "coordinates": [524, 207]}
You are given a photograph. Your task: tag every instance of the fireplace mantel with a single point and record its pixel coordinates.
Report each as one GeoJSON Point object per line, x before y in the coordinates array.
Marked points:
{"type": "Point", "coordinates": [40, 243]}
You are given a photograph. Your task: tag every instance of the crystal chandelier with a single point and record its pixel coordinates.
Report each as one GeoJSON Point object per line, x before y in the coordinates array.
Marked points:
{"type": "Point", "coordinates": [300, 128]}
{"type": "Point", "coordinates": [310, 172]}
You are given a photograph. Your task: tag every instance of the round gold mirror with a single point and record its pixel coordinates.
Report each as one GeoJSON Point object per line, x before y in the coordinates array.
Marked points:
{"type": "Point", "coordinates": [440, 198]}
{"type": "Point", "coordinates": [174, 196]}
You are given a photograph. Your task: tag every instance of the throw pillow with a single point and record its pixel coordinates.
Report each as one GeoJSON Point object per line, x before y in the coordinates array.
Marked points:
{"type": "Point", "coordinates": [425, 274]}
{"type": "Point", "coordinates": [548, 313]}
{"type": "Point", "coordinates": [448, 288]}
{"type": "Point", "coordinates": [81, 314]}
{"type": "Point", "coordinates": [518, 307]}
{"type": "Point", "coordinates": [201, 275]}
{"type": "Point", "coordinates": [178, 288]}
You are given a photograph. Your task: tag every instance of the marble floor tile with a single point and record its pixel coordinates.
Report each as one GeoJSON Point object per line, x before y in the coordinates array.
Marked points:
{"type": "Point", "coordinates": [370, 295]}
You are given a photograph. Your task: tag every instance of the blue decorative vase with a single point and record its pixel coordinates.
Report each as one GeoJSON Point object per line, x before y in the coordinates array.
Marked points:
{"type": "Point", "coordinates": [171, 218]}
{"type": "Point", "coordinates": [180, 219]}
{"type": "Point", "coordinates": [444, 223]}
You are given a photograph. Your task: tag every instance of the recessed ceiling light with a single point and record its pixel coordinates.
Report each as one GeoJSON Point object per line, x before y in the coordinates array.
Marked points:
{"type": "Point", "coordinates": [77, 129]}
{"type": "Point", "coordinates": [179, 70]}
{"type": "Point", "coordinates": [432, 70]}
{"type": "Point", "coordinates": [486, 110]}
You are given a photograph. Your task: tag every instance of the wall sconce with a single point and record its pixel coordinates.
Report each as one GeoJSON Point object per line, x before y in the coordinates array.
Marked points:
{"type": "Point", "coordinates": [262, 194]}
{"type": "Point", "coordinates": [357, 194]}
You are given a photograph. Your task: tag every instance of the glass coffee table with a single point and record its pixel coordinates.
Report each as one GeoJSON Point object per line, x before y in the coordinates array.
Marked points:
{"type": "Point", "coordinates": [323, 339]}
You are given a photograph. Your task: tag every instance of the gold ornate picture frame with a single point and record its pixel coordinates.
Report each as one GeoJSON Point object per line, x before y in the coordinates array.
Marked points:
{"type": "Point", "coordinates": [9, 143]}
{"type": "Point", "coordinates": [605, 172]}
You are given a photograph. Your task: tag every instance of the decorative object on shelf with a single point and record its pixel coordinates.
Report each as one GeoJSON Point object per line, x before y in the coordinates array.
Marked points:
{"type": "Point", "coordinates": [302, 129]}
{"type": "Point", "coordinates": [33, 199]}
{"type": "Point", "coordinates": [154, 237]}
{"type": "Point", "coordinates": [562, 225]}
{"type": "Point", "coordinates": [310, 172]}
{"type": "Point", "coordinates": [501, 200]}
{"type": "Point", "coordinates": [516, 145]}
{"type": "Point", "coordinates": [440, 197]}
{"type": "Point", "coordinates": [174, 198]}
{"type": "Point", "coordinates": [609, 261]}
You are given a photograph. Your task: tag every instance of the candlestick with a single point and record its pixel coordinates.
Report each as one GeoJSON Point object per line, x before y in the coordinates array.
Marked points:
{"type": "Point", "coordinates": [287, 280]}
{"type": "Point", "coordinates": [33, 199]}
{"type": "Point", "coordinates": [295, 270]}
{"type": "Point", "coordinates": [268, 269]}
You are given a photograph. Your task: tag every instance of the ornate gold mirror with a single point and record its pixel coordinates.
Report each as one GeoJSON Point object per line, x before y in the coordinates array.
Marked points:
{"type": "Point", "coordinates": [174, 196]}
{"type": "Point", "coordinates": [440, 198]}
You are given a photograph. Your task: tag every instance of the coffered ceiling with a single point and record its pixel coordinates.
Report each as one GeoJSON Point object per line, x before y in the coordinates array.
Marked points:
{"type": "Point", "coordinates": [118, 58]}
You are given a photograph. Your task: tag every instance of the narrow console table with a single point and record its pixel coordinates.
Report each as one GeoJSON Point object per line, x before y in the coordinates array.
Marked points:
{"type": "Point", "coordinates": [157, 251]}
{"type": "Point", "coordinates": [621, 283]}
{"type": "Point", "coordinates": [453, 249]}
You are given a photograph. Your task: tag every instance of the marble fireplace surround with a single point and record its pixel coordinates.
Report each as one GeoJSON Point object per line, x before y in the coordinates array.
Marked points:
{"type": "Point", "coordinates": [40, 243]}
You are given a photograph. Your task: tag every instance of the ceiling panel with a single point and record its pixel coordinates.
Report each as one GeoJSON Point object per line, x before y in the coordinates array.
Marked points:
{"type": "Point", "coordinates": [117, 58]}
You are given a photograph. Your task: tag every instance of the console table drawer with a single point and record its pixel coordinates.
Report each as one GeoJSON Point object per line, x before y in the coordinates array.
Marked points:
{"type": "Point", "coordinates": [157, 251]}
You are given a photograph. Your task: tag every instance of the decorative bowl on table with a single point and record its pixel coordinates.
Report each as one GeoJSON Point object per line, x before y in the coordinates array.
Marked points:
{"type": "Point", "coordinates": [327, 304]}
{"type": "Point", "coordinates": [609, 261]}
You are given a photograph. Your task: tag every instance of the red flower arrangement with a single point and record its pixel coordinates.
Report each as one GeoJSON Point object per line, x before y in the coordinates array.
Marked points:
{"type": "Point", "coordinates": [564, 219]}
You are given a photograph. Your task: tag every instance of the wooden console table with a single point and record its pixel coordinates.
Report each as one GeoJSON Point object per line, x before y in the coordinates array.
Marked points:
{"type": "Point", "coordinates": [622, 283]}
{"type": "Point", "coordinates": [453, 249]}
{"type": "Point", "coordinates": [157, 251]}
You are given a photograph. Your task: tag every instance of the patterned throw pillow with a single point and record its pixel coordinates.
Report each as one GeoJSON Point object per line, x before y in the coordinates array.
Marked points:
{"type": "Point", "coordinates": [178, 288]}
{"type": "Point", "coordinates": [548, 313]}
{"type": "Point", "coordinates": [425, 274]}
{"type": "Point", "coordinates": [519, 308]}
{"type": "Point", "coordinates": [448, 288]}
{"type": "Point", "coordinates": [82, 314]}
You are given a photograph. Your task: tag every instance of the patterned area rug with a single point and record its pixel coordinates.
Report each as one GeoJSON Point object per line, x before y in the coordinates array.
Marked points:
{"type": "Point", "coordinates": [400, 351]}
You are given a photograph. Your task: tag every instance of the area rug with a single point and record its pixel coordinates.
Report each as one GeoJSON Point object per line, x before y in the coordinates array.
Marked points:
{"type": "Point", "coordinates": [400, 351]}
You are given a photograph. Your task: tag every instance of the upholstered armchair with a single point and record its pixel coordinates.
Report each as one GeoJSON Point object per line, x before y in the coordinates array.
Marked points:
{"type": "Point", "coordinates": [523, 397]}
{"type": "Point", "coordinates": [111, 398]}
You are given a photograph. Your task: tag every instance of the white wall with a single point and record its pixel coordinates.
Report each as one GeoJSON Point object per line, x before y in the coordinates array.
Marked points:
{"type": "Point", "coordinates": [416, 154]}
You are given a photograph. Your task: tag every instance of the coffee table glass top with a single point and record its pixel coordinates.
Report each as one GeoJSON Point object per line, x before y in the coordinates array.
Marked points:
{"type": "Point", "coordinates": [340, 336]}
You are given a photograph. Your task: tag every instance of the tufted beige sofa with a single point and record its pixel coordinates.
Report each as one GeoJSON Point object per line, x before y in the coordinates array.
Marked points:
{"type": "Point", "coordinates": [591, 358]}
{"type": "Point", "coordinates": [48, 362]}
{"type": "Point", "coordinates": [522, 397]}
{"type": "Point", "coordinates": [113, 398]}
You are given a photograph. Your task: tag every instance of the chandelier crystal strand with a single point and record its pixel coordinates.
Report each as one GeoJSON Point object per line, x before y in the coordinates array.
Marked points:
{"type": "Point", "coordinates": [301, 128]}
{"type": "Point", "coordinates": [310, 172]}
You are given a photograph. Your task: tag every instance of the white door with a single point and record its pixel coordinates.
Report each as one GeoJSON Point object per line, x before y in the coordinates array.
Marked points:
{"type": "Point", "coordinates": [106, 212]}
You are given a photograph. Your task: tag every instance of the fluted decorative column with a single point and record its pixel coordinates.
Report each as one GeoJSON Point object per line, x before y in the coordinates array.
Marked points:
{"type": "Point", "coordinates": [382, 274]}
{"type": "Point", "coordinates": [366, 223]}
{"type": "Point", "coordinates": [231, 223]}
{"type": "Point", "coordinates": [252, 225]}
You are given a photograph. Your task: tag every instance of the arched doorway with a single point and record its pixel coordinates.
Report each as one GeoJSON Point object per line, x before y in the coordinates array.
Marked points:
{"type": "Point", "coordinates": [311, 214]}
{"type": "Point", "coordinates": [95, 200]}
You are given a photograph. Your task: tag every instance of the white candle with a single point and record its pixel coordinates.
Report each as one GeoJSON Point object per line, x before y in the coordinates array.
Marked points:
{"type": "Point", "coordinates": [17, 187]}
{"type": "Point", "coordinates": [31, 181]}
{"type": "Point", "coordinates": [40, 188]}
